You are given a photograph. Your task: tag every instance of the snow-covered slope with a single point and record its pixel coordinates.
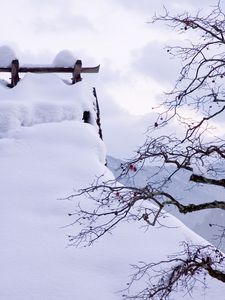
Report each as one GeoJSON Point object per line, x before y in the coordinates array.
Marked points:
{"type": "Point", "coordinates": [43, 157]}
{"type": "Point", "coordinates": [183, 189]}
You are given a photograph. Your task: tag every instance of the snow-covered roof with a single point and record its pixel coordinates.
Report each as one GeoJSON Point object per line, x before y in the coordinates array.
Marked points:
{"type": "Point", "coordinates": [42, 98]}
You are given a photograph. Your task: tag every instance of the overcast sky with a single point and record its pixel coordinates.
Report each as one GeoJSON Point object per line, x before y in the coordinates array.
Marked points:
{"type": "Point", "coordinates": [135, 68]}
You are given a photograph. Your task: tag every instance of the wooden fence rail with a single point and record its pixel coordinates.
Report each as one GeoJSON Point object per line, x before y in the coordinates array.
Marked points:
{"type": "Point", "coordinates": [75, 70]}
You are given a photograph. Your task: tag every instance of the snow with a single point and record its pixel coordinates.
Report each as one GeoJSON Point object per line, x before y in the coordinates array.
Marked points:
{"type": "Point", "coordinates": [42, 99]}
{"type": "Point", "coordinates": [6, 56]}
{"type": "Point", "coordinates": [64, 59]}
{"type": "Point", "coordinates": [184, 190]}
{"type": "Point", "coordinates": [46, 152]}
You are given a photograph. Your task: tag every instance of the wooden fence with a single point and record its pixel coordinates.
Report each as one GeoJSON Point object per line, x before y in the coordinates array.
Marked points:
{"type": "Point", "coordinates": [75, 70]}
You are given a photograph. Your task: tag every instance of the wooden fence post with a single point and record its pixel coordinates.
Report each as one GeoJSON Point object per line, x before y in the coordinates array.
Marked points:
{"type": "Point", "coordinates": [77, 71]}
{"type": "Point", "coordinates": [14, 73]}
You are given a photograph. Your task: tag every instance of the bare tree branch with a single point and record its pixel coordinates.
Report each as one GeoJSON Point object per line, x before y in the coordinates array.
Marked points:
{"type": "Point", "coordinates": [195, 106]}
{"type": "Point", "coordinates": [181, 272]}
{"type": "Point", "coordinates": [202, 179]}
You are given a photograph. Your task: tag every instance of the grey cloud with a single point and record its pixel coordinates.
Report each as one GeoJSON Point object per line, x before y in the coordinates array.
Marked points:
{"type": "Point", "coordinates": [48, 4]}
{"type": "Point", "coordinates": [141, 5]}
{"type": "Point", "coordinates": [154, 61]}
{"type": "Point", "coordinates": [62, 22]}
{"type": "Point", "coordinates": [149, 7]}
{"type": "Point", "coordinates": [124, 134]}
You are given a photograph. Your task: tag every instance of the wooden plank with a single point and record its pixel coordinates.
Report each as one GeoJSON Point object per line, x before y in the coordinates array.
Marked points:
{"type": "Point", "coordinates": [52, 69]}
{"type": "Point", "coordinates": [76, 70]}
{"type": "Point", "coordinates": [90, 70]}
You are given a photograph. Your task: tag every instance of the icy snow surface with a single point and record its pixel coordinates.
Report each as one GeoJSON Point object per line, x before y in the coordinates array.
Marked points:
{"type": "Point", "coordinates": [45, 152]}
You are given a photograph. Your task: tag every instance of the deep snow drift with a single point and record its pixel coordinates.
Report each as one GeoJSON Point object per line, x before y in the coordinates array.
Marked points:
{"type": "Point", "coordinates": [45, 152]}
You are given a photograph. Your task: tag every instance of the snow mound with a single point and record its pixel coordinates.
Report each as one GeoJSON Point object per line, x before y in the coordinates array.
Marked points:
{"type": "Point", "coordinates": [64, 58]}
{"type": "Point", "coordinates": [41, 164]}
{"type": "Point", "coordinates": [6, 56]}
{"type": "Point", "coordinates": [43, 98]}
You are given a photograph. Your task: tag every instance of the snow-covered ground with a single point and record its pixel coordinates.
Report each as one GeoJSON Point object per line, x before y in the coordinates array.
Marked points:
{"type": "Point", "coordinates": [46, 152]}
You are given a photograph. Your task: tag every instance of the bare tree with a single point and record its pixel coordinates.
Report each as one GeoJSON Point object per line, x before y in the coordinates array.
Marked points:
{"type": "Point", "coordinates": [195, 104]}
{"type": "Point", "coordinates": [179, 272]}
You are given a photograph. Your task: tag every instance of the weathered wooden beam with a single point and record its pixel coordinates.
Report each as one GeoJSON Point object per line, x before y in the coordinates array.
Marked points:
{"type": "Point", "coordinates": [76, 71]}
{"type": "Point", "coordinates": [52, 69]}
